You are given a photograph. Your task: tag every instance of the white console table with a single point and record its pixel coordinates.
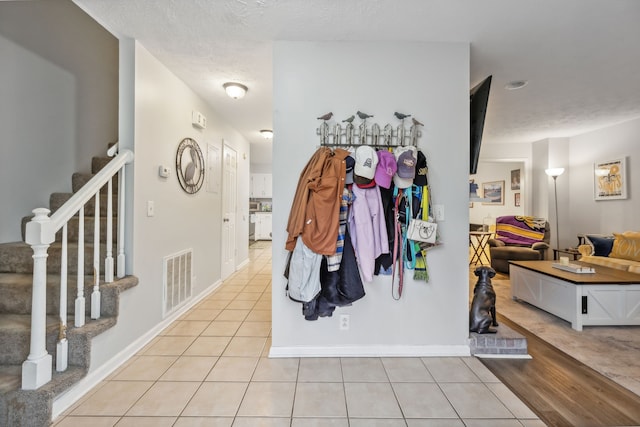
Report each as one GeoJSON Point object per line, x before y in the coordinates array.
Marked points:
{"type": "Point", "coordinates": [606, 297]}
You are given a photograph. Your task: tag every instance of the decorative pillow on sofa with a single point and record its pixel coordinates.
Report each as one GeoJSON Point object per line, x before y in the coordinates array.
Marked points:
{"type": "Point", "coordinates": [626, 246]}
{"type": "Point", "coordinates": [601, 245]}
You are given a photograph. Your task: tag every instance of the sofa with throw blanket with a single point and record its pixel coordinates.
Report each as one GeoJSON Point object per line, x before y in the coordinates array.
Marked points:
{"type": "Point", "coordinates": [518, 238]}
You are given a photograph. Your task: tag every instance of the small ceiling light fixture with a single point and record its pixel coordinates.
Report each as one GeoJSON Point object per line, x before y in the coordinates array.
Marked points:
{"type": "Point", "coordinates": [516, 84]}
{"type": "Point", "coordinates": [267, 133]}
{"type": "Point", "coordinates": [235, 90]}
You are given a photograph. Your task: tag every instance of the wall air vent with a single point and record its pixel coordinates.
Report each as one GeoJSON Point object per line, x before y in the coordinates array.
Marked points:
{"type": "Point", "coordinates": [177, 274]}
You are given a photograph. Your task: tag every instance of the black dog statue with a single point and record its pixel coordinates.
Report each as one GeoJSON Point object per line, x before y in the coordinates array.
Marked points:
{"type": "Point", "coordinates": [483, 306]}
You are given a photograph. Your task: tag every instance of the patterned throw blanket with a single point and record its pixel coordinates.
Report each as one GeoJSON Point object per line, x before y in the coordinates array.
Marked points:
{"type": "Point", "coordinates": [520, 230]}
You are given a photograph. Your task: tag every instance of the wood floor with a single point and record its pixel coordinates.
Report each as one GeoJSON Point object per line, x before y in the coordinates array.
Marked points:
{"type": "Point", "coordinates": [561, 390]}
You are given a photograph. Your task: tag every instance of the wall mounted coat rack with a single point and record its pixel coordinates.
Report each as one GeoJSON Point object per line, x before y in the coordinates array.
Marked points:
{"type": "Point", "coordinates": [336, 136]}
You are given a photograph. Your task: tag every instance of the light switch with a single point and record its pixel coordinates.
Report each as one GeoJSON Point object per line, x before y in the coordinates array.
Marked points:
{"type": "Point", "coordinates": [151, 208]}
{"type": "Point", "coordinates": [438, 211]}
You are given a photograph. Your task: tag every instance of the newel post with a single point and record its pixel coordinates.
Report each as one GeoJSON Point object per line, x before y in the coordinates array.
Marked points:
{"type": "Point", "coordinates": [36, 370]}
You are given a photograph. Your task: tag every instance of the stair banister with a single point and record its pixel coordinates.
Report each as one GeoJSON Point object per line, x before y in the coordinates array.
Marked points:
{"type": "Point", "coordinates": [62, 347]}
{"type": "Point", "coordinates": [108, 261]}
{"type": "Point", "coordinates": [36, 370]}
{"type": "Point", "coordinates": [40, 233]}
{"type": "Point", "coordinates": [121, 213]}
{"type": "Point", "coordinates": [95, 295]}
{"type": "Point", "coordinates": [80, 198]}
{"type": "Point", "coordinates": [78, 319]}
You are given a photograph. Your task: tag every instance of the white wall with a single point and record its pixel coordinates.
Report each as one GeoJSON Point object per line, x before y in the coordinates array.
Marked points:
{"type": "Point", "coordinates": [498, 171]}
{"type": "Point", "coordinates": [261, 156]}
{"type": "Point", "coordinates": [58, 103]}
{"type": "Point", "coordinates": [521, 152]}
{"type": "Point", "coordinates": [33, 166]}
{"type": "Point", "coordinates": [163, 106]}
{"type": "Point", "coordinates": [587, 215]}
{"type": "Point", "coordinates": [430, 81]}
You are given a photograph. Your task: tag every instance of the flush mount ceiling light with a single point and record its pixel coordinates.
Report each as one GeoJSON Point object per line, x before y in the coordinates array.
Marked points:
{"type": "Point", "coordinates": [235, 90]}
{"type": "Point", "coordinates": [267, 133]}
{"type": "Point", "coordinates": [516, 84]}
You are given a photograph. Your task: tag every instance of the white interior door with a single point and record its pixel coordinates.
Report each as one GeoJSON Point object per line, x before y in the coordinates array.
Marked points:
{"type": "Point", "coordinates": [229, 206]}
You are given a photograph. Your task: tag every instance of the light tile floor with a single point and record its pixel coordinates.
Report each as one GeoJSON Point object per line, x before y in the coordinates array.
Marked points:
{"type": "Point", "coordinates": [210, 368]}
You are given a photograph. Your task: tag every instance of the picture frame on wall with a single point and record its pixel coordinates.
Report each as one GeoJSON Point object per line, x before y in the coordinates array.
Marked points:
{"type": "Point", "coordinates": [610, 179]}
{"type": "Point", "coordinates": [494, 191]}
{"type": "Point", "coordinates": [516, 199]}
{"type": "Point", "coordinates": [515, 179]}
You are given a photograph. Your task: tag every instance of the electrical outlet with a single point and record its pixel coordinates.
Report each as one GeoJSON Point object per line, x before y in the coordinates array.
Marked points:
{"type": "Point", "coordinates": [344, 322]}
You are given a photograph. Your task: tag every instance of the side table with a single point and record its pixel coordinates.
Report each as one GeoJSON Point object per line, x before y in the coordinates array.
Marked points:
{"type": "Point", "coordinates": [572, 252]}
{"type": "Point", "coordinates": [478, 242]}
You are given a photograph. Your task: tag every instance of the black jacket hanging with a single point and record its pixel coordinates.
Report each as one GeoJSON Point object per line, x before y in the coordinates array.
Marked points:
{"type": "Point", "coordinates": [344, 286]}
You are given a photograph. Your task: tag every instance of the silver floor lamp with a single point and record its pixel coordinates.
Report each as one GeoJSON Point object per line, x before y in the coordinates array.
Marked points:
{"type": "Point", "coordinates": [555, 173]}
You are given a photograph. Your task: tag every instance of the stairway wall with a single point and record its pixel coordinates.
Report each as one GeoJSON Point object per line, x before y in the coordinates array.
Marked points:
{"type": "Point", "coordinates": [59, 102]}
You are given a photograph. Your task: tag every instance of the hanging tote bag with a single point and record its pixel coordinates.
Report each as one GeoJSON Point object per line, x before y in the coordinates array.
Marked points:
{"type": "Point", "coordinates": [422, 231]}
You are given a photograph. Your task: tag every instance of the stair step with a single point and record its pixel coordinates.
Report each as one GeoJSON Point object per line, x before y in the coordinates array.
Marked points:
{"type": "Point", "coordinates": [56, 200]}
{"type": "Point", "coordinates": [16, 290]}
{"type": "Point", "coordinates": [78, 180]}
{"type": "Point", "coordinates": [32, 407]}
{"type": "Point", "coordinates": [72, 228]}
{"type": "Point", "coordinates": [506, 342]}
{"type": "Point", "coordinates": [17, 257]}
{"type": "Point", "coordinates": [15, 334]}
{"type": "Point", "coordinates": [97, 163]}
{"type": "Point", "coordinates": [10, 378]}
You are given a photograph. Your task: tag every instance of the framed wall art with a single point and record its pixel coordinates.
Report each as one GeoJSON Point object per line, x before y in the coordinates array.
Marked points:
{"type": "Point", "coordinates": [515, 179]}
{"type": "Point", "coordinates": [610, 179]}
{"type": "Point", "coordinates": [190, 165]}
{"type": "Point", "coordinates": [516, 199]}
{"type": "Point", "coordinates": [494, 191]}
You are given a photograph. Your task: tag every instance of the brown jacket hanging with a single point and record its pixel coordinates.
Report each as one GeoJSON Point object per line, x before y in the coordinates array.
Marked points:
{"type": "Point", "coordinates": [316, 204]}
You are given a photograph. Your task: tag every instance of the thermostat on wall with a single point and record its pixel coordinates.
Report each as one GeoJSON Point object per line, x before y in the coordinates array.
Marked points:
{"type": "Point", "coordinates": [164, 171]}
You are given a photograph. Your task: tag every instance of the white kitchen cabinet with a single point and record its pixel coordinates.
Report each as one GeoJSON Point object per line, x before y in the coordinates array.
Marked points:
{"type": "Point", "coordinates": [261, 185]}
{"type": "Point", "coordinates": [263, 226]}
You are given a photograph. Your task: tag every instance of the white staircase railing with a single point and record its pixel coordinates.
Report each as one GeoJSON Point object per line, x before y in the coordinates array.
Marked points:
{"type": "Point", "coordinates": [40, 234]}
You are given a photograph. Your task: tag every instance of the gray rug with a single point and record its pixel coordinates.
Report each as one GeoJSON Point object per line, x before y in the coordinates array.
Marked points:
{"type": "Point", "coordinates": [614, 351]}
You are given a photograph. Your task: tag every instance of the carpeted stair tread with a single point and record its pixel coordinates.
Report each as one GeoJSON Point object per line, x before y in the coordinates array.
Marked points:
{"type": "Point", "coordinates": [97, 163]}
{"type": "Point", "coordinates": [56, 200]}
{"type": "Point", "coordinates": [78, 180]}
{"type": "Point", "coordinates": [17, 257]}
{"type": "Point", "coordinates": [16, 291]}
{"type": "Point", "coordinates": [10, 378]}
{"type": "Point", "coordinates": [73, 229]}
{"type": "Point", "coordinates": [32, 407]}
{"type": "Point", "coordinates": [15, 331]}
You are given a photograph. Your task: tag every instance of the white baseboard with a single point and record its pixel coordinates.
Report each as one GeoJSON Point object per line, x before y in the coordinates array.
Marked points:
{"type": "Point", "coordinates": [243, 264]}
{"type": "Point", "coordinates": [93, 378]}
{"type": "Point", "coordinates": [503, 356]}
{"type": "Point", "coordinates": [372, 351]}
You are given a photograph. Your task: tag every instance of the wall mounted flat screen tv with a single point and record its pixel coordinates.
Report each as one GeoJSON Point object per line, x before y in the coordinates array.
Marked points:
{"type": "Point", "coordinates": [479, 97]}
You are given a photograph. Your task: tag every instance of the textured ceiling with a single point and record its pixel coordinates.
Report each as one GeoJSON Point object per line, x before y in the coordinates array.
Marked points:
{"type": "Point", "coordinates": [581, 57]}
